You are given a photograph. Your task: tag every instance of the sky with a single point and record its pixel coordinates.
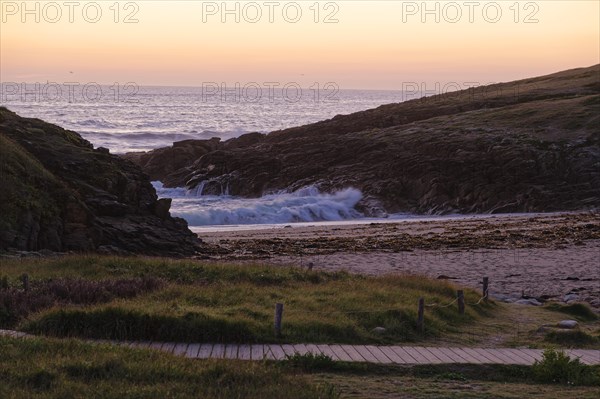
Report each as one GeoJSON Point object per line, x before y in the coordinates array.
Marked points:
{"type": "Point", "coordinates": [354, 44]}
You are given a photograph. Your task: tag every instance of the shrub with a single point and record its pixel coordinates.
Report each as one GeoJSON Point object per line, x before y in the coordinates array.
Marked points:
{"type": "Point", "coordinates": [557, 367]}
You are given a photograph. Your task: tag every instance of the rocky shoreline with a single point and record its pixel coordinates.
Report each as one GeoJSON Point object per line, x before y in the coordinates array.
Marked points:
{"type": "Point", "coordinates": [525, 146]}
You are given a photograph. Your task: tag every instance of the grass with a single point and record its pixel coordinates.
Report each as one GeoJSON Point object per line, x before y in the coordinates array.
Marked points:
{"type": "Point", "coordinates": [69, 369]}
{"type": "Point", "coordinates": [577, 310]}
{"type": "Point", "coordinates": [235, 303]}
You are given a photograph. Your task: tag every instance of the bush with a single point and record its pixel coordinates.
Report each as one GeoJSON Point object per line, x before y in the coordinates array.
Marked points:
{"type": "Point", "coordinates": [557, 367]}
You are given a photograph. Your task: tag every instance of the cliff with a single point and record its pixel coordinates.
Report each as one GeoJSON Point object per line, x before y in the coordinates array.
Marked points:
{"type": "Point", "coordinates": [59, 193]}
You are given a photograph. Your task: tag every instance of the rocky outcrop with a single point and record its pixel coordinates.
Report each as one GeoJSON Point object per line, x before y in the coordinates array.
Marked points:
{"type": "Point", "coordinates": [525, 146]}
{"type": "Point", "coordinates": [59, 193]}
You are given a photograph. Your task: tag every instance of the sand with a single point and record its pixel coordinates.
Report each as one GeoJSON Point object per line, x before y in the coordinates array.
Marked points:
{"type": "Point", "coordinates": [547, 256]}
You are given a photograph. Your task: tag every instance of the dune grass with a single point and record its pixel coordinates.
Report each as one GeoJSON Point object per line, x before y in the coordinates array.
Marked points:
{"type": "Point", "coordinates": [44, 368]}
{"type": "Point", "coordinates": [235, 303]}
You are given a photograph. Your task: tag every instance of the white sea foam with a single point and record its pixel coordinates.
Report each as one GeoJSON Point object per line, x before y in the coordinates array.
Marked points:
{"type": "Point", "coordinates": [305, 205]}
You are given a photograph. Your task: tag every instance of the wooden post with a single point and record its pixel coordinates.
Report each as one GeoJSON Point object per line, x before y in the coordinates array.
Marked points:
{"type": "Point", "coordinates": [25, 279]}
{"type": "Point", "coordinates": [485, 288]}
{"type": "Point", "coordinates": [461, 301]}
{"type": "Point", "coordinates": [278, 317]}
{"type": "Point", "coordinates": [421, 315]}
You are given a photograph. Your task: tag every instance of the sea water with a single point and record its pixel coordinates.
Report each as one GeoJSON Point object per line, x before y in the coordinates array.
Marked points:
{"type": "Point", "coordinates": [125, 119]}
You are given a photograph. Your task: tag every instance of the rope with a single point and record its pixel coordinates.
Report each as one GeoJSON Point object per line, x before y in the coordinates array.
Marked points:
{"type": "Point", "coordinates": [441, 306]}
{"type": "Point", "coordinates": [476, 303]}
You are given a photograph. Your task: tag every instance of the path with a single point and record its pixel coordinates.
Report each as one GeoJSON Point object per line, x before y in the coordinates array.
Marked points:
{"type": "Point", "coordinates": [350, 353]}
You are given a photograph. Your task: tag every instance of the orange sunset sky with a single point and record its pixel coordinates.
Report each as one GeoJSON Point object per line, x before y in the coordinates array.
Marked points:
{"type": "Point", "coordinates": [373, 44]}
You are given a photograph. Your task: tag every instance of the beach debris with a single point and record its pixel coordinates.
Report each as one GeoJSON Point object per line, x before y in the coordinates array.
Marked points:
{"type": "Point", "coordinates": [567, 324]}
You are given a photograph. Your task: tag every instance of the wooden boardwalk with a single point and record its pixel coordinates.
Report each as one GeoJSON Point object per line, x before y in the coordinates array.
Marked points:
{"type": "Point", "coordinates": [410, 355]}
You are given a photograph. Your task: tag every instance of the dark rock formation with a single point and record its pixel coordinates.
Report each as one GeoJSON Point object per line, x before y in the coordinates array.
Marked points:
{"type": "Point", "coordinates": [59, 193]}
{"type": "Point", "coordinates": [524, 146]}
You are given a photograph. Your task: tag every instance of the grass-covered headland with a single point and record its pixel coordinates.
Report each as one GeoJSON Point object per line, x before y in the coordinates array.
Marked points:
{"type": "Point", "coordinates": [184, 300]}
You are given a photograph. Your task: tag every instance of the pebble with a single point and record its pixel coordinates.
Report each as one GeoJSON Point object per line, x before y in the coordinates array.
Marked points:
{"type": "Point", "coordinates": [571, 298]}
{"type": "Point", "coordinates": [567, 324]}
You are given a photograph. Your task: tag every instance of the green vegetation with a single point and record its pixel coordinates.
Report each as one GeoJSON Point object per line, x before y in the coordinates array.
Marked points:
{"type": "Point", "coordinates": [447, 381]}
{"type": "Point", "coordinates": [49, 369]}
{"type": "Point", "coordinates": [557, 367]}
{"type": "Point", "coordinates": [578, 310]}
{"type": "Point", "coordinates": [229, 303]}
{"type": "Point", "coordinates": [310, 362]}
{"type": "Point", "coordinates": [571, 338]}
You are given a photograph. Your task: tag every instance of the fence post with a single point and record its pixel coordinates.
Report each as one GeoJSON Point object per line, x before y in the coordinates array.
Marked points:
{"type": "Point", "coordinates": [278, 317]}
{"type": "Point", "coordinates": [25, 279]}
{"type": "Point", "coordinates": [485, 288]}
{"type": "Point", "coordinates": [461, 301]}
{"type": "Point", "coordinates": [421, 315]}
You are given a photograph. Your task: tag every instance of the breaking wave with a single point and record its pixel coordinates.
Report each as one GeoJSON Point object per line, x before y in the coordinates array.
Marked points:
{"type": "Point", "coordinates": [305, 205]}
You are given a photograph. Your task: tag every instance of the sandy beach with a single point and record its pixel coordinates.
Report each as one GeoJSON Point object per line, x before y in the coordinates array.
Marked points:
{"type": "Point", "coordinates": [543, 256]}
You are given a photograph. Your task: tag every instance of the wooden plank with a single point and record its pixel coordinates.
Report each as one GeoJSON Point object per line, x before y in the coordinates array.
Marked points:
{"type": "Point", "coordinates": [477, 355]}
{"type": "Point", "coordinates": [378, 353]}
{"type": "Point", "coordinates": [502, 356]}
{"type": "Point", "coordinates": [168, 347]}
{"type": "Point", "coordinates": [403, 354]}
{"type": "Point", "coordinates": [192, 351]}
{"type": "Point", "coordinates": [431, 358]}
{"type": "Point", "coordinates": [470, 359]}
{"type": "Point", "coordinates": [300, 349]}
{"type": "Point", "coordinates": [257, 352]}
{"type": "Point", "coordinates": [489, 355]}
{"type": "Point", "coordinates": [524, 355]}
{"type": "Point", "coordinates": [327, 351]}
{"type": "Point", "coordinates": [277, 352]}
{"type": "Point", "coordinates": [218, 351]}
{"type": "Point", "coordinates": [453, 356]}
{"type": "Point", "coordinates": [366, 354]}
{"type": "Point", "coordinates": [517, 355]}
{"type": "Point", "coordinates": [536, 354]}
{"type": "Point", "coordinates": [341, 353]}
{"type": "Point", "coordinates": [205, 351]}
{"type": "Point", "coordinates": [244, 352]}
{"type": "Point", "coordinates": [156, 345]}
{"type": "Point", "coordinates": [231, 351]}
{"type": "Point", "coordinates": [441, 355]}
{"type": "Point", "coordinates": [583, 357]}
{"type": "Point", "coordinates": [353, 353]}
{"type": "Point", "coordinates": [413, 353]}
{"type": "Point", "coordinates": [180, 349]}
{"type": "Point", "coordinates": [393, 356]}
{"type": "Point", "coordinates": [288, 350]}
{"type": "Point", "coordinates": [310, 348]}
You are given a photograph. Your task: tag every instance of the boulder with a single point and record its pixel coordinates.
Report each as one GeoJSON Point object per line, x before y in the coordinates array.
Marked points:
{"type": "Point", "coordinates": [567, 324]}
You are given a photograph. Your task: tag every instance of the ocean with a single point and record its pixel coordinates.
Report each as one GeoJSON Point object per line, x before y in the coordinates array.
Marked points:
{"type": "Point", "coordinates": [126, 118]}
